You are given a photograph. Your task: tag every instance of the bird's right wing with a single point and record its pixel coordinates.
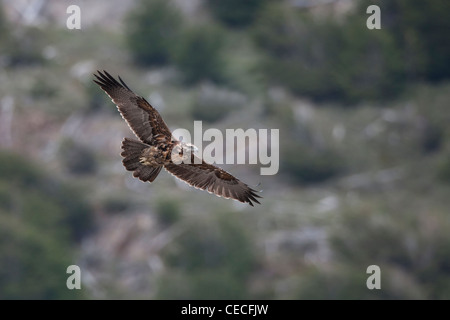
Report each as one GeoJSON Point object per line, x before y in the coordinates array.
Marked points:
{"type": "Point", "coordinates": [142, 118]}
{"type": "Point", "coordinates": [215, 180]}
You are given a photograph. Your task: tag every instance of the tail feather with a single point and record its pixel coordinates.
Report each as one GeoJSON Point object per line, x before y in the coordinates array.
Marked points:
{"type": "Point", "coordinates": [132, 151]}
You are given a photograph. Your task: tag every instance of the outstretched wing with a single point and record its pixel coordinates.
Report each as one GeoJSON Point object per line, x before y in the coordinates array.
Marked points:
{"type": "Point", "coordinates": [142, 118]}
{"type": "Point", "coordinates": [214, 180]}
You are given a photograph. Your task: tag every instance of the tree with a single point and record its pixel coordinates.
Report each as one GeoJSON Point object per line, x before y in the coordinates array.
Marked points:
{"type": "Point", "coordinates": [420, 30]}
{"type": "Point", "coordinates": [236, 13]}
{"type": "Point", "coordinates": [327, 59]}
{"type": "Point", "coordinates": [40, 221]}
{"type": "Point", "coordinates": [152, 29]}
{"type": "Point", "coordinates": [198, 54]}
{"type": "Point", "coordinates": [214, 260]}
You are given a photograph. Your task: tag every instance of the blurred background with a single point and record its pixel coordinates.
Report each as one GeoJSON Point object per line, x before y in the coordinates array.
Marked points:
{"type": "Point", "coordinates": [364, 149]}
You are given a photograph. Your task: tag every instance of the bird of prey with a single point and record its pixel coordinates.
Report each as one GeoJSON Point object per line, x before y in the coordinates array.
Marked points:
{"type": "Point", "coordinates": [157, 148]}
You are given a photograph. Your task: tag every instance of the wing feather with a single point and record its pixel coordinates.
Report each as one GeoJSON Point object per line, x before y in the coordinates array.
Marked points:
{"type": "Point", "coordinates": [214, 180]}
{"type": "Point", "coordinates": [142, 118]}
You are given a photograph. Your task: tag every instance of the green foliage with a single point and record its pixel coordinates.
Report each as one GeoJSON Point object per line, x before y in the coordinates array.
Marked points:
{"type": "Point", "coordinates": [433, 138]}
{"type": "Point", "coordinates": [5, 36]}
{"type": "Point", "coordinates": [368, 66]}
{"type": "Point", "coordinates": [201, 285]}
{"type": "Point", "coordinates": [77, 158]}
{"type": "Point", "coordinates": [33, 263]}
{"type": "Point", "coordinates": [409, 244]}
{"type": "Point", "coordinates": [168, 212]}
{"type": "Point", "coordinates": [77, 210]}
{"type": "Point", "coordinates": [443, 168]}
{"type": "Point", "coordinates": [420, 31]}
{"type": "Point", "coordinates": [40, 220]}
{"type": "Point", "coordinates": [116, 204]}
{"type": "Point", "coordinates": [26, 188]}
{"type": "Point", "coordinates": [24, 47]}
{"type": "Point", "coordinates": [235, 13]}
{"type": "Point", "coordinates": [325, 59]}
{"type": "Point", "coordinates": [19, 171]}
{"type": "Point", "coordinates": [213, 260]}
{"type": "Point", "coordinates": [305, 164]}
{"type": "Point", "coordinates": [434, 115]}
{"type": "Point", "coordinates": [343, 60]}
{"type": "Point", "coordinates": [342, 282]}
{"type": "Point", "coordinates": [152, 29]}
{"type": "Point", "coordinates": [311, 167]}
{"type": "Point", "coordinates": [155, 37]}
{"type": "Point", "coordinates": [98, 101]}
{"type": "Point", "coordinates": [42, 90]}
{"type": "Point", "coordinates": [198, 54]}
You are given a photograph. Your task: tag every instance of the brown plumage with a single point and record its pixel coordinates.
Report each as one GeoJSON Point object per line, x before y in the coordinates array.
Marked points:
{"type": "Point", "coordinates": [156, 147]}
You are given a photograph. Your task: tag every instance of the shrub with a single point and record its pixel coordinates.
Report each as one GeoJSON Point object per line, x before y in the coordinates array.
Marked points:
{"type": "Point", "coordinates": [406, 238]}
{"type": "Point", "coordinates": [201, 285]}
{"type": "Point", "coordinates": [168, 212]}
{"type": "Point", "coordinates": [420, 31]}
{"type": "Point", "coordinates": [443, 168]}
{"type": "Point", "coordinates": [43, 90]}
{"type": "Point", "coordinates": [37, 190]}
{"type": "Point", "coordinates": [432, 138]}
{"type": "Point", "coordinates": [198, 54]}
{"type": "Point", "coordinates": [116, 203]}
{"type": "Point", "coordinates": [40, 220]}
{"type": "Point", "coordinates": [213, 259]}
{"type": "Point", "coordinates": [235, 13]}
{"type": "Point", "coordinates": [77, 158]}
{"type": "Point", "coordinates": [24, 47]}
{"type": "Point", "coordinates": [307, 165]}
{"type": "Point", "coordinates": [396, 240]}
{"type": "Point", "coordinates": [5, 35]}
{"type": "Point", "coordinates": [18, 171]}
{"type": "Point", "coordinates": [328, 60]}
{"type": "Point", "coordinates": [32, 262]}
{"type": "Point", "coordinates": [152, 29]}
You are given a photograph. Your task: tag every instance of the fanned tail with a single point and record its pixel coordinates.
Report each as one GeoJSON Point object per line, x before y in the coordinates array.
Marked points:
{"type": "Point", "coordinates": [132, 151]}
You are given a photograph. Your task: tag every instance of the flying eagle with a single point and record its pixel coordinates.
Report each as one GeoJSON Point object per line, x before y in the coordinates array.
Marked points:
{"type": "Point", "coordinates": [157, 148]}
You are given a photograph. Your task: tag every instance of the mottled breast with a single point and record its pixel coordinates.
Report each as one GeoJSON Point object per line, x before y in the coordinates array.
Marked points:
{"type": "Point", "coordinates": [154, 157]}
